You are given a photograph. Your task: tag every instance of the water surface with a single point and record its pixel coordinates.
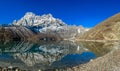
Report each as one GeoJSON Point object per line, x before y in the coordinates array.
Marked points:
{"type": "Point", "coordinates": [50, 56]}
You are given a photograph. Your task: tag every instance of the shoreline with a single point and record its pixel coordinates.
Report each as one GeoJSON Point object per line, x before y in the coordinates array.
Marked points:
{"type": "Point", "coordinates": [108, 62]}
{"type": "Point", "coordinates": [84, 40]}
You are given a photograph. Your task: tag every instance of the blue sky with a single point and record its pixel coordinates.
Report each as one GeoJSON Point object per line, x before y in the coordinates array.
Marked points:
{"type": "Point", "coordinates": [80, 12]}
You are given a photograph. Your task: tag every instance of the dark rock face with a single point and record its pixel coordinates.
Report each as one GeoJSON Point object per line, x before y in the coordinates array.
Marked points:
{"type": "Point", "coordinates": [23, 33]}
{"type": "Point", "coordinates": [107, 30]}
{"type": "Point", "coordinates": [15, 33]}
{"type": "Point", "coordinates": [47, 37]}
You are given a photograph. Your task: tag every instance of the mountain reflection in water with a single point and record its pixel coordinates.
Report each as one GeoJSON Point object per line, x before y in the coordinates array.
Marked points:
{"type": "Point", "coordinates": [30, 56]}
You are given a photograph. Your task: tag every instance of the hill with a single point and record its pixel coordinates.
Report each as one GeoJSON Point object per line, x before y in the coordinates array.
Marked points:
{"type": "Point", "coordinates": [107, 30]}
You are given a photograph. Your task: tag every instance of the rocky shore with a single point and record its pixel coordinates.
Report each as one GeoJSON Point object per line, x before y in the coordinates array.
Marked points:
{"type": "Point", "coordinates": [108, 62]}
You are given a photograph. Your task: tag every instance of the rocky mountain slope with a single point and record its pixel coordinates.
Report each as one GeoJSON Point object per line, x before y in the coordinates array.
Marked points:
{"type": "Point", "coordinates": [21, 33]}
{"type": "Point", "coordinates": [33, 26]}
{"type": "Point", "coordinates": [15, 33]}
{"type": "Point", "coordinates": [107, 30]}
{"type": "Point", "coordinates": [41, 23]}
{"type": "Point", "coordinates": [49, 25]}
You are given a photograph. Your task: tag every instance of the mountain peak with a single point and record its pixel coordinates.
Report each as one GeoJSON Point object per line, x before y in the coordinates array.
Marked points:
{"type": "Point", "coordinates": [29, 14]}
{"type": "Point", "coordinates": [30, 19]}
{"type": "Point", "coordinates": [49, 15]}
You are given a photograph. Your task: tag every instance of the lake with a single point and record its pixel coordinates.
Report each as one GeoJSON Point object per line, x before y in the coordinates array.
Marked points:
{"type": "Point", "coordinates": [50, 56]}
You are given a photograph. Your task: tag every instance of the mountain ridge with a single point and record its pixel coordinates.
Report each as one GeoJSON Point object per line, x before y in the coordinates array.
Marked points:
{"type": "Point", "coordinates": [49, 25]}
{"type": "Point", "coordinates": [106, 30]}
{"type": "Point", "coordinates": [45, 25]}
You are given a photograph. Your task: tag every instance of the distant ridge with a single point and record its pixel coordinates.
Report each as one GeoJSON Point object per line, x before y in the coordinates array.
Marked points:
{"type": "Point", "coordinates": [106, 30]}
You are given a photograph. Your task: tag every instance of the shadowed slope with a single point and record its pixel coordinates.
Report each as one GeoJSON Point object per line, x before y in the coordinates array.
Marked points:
{"type": "Point", "coordinates": [15, 33]}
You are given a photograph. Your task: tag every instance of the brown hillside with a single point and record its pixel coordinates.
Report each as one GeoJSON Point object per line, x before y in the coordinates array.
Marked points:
{"type": "Point", "coordinates": [107, 30]}
{"type": "Point", "coordinates": [15, 33]}
{"type": "Point", "coordinates": [24, 34]}
{"type": "Point", "coordinates": [46, 37]}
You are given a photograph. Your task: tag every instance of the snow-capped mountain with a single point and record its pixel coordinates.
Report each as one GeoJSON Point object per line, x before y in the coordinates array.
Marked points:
{"type": "Point", "coordinates": [41, 23]}
{"type": "Point", "coordinates": [49, 25]}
